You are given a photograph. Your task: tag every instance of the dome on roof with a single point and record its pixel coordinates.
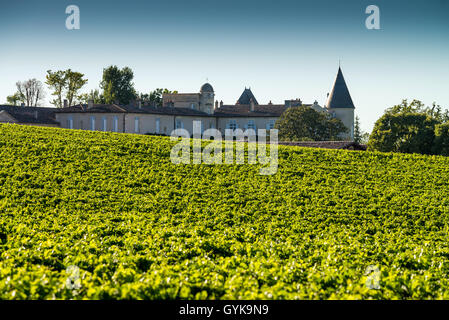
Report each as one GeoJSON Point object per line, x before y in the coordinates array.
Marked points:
{"type": "Point", "coordinates": [207, 88]}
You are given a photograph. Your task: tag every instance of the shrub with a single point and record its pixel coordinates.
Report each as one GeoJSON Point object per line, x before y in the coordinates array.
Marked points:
{"type": "Point", "coordinates": [403, 132]}
{"type": "Point", "coordinates": [441, 145]}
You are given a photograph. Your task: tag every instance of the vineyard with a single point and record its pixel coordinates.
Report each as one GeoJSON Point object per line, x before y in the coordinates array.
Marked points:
{"type": "Point", "coordinates": [91, 215]}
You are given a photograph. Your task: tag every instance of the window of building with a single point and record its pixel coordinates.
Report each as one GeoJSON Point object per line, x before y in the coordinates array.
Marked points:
{"type": "Point", "coordinates": [270, 124]}
{"type": "Point", "coordinates": [92, 123]}
{"type": "Point", "coordinates": [136, 125]}
{"type": "Point", "coordinates": [115, 122]}
{"type": "Point", "coordinates": [70, 123]}
{"type": "Point", "coordinates": [192, 106]}
{"type": "Point", "coordinates": [251, 125]}
{"type": "Point", "coordinates": [105, 122]}
{"type": "Point", "coordinates": [158, 125]}
{"type": "Point", "coordinates": [179, 124]}
{"type": "Point", "coordinates": [232, 124]}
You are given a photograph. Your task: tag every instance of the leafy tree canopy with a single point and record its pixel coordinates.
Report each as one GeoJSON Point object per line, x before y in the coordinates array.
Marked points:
{"type": "Point", "coordinates": [416, 106]}
{"type": "Point", "coordinates": [15, 99]}
{"type": "Point", "coordinates": [154, 98]}
{"type": "Point", "coordinates": [408, 128]}
{"type": "Point", "coordinates": [93, 95]}
{"type": "Point", "coordinates": [441, 144]}
{"type": "Point", "coordinates": [304, 123]}
{"type": "Point", "coordinates": [65, 84]}
{"type": "Point", "coordinates": [117, 85]}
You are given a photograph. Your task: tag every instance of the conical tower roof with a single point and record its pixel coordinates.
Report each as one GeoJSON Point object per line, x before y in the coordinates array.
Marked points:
{"type": "Point", "coordinates": [339, 96]}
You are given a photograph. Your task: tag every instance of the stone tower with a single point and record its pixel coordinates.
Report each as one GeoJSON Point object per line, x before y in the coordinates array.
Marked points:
{"type": "Point", "coordinates": [207, 98]}
{"type": "Point", "coordinates": [340, 104]}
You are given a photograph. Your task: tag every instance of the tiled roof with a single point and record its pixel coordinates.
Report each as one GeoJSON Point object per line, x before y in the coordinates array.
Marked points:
{"type": "Point", "coordinates": [113, 108]}
{"type": "Point", "coordinates": [339, 96]}
{"type": "Point", "coordinates": [166, 110]}
{"type": "Point", "coordinates": [267, 110]}
{"type": "Point", "coordinates": [97, 108]}
{"type": "Point", "coordinates": [246, 97]}
{"type": "Point", "coordinates": [238, 110]}
{"type": "Point", "coordinates": [31, 115]}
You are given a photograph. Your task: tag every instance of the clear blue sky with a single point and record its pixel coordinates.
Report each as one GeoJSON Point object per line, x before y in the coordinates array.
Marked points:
{"type": "Point", "coordinates": [281, 49]}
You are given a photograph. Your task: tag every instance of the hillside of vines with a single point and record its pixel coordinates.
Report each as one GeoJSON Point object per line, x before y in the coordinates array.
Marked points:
{"type": "Point", "coordinates": [136, 226]}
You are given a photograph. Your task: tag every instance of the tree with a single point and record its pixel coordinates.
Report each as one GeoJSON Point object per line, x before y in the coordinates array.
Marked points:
{"type": "Point", "coordinates": [360, 136]}
{"type": "Point", "coordinates": [334, 128]}
{"type": "Point", "coordinates": [155, 97]}
{"type": "Point", "coordinates": [437, 113]}
{"type": "Point", "coordinates": [75, 82]}
{"type": "Point", "coordinates": [365, 138]}
{"type": "Point", "coordinates": [117, 85]}
{"type": "Point", "coordinates": [109, 93]}
{"type": "Point", "coordinates": [416, 106]}
{"type": "Point", "coordinates": [15, 99]}
{"type": "Point", "coordinates": [65, 84]}
{"type": "Point", "coordinates": [93, 95]}
{"type": "Point", "coordinates": [57, 81]}
{"type": "Point", "coordinates": [304, 123]}
{"type": "Point", "coordinates": [357, 130]}
{"type": "Point", "coordinates": [441, 144]}
{"type": "Point", "coordinates": [31, 92]}
{"type": "Point", "coordinates": [403, 132]}
{"type": "Point", "coordinates": [408, 128]}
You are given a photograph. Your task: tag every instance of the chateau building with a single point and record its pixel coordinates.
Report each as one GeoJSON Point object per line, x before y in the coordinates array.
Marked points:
{"type": "Point", "coordinates": [179, 110]}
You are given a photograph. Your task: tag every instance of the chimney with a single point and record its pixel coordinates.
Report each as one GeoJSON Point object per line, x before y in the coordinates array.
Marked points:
{"type": "Point", "coordinates": [90, 104]}
{"type": "Point", "coordinates": [221, 103]}
{"type": "Point", "coordinates": [66, 103]}
{"type": "Point", "coordinates": [251, 104]}
{"type": "Point", "coordinates": [216, 104]}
